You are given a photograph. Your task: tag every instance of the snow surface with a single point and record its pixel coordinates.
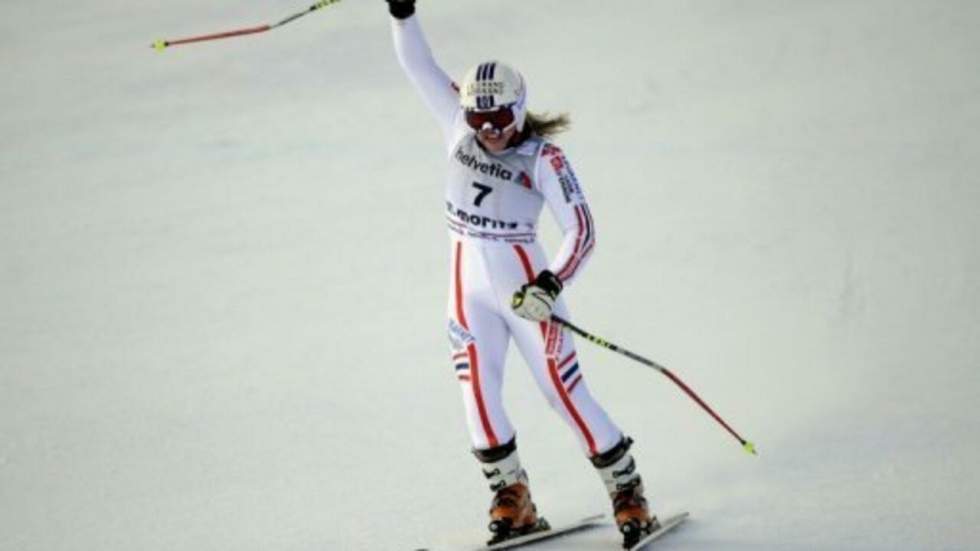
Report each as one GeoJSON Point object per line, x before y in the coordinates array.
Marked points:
{"type": "Point", "coordinates": [223, 273]}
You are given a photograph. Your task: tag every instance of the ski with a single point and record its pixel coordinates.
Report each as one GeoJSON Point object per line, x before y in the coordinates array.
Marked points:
{"type": "Point", "coordinates": [546, 534]}
{"type": "Point", "coordinates": [666, 525]}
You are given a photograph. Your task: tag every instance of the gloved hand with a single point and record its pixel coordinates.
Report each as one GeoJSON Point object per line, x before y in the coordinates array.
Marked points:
{"type": "Point", "coordinates": [401, 9]}
{"type": "Point", "coordinates": [534, 301]}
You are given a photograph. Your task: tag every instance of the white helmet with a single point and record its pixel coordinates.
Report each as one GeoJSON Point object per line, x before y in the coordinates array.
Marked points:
{"type": "Point", "coordinates": [492, 85]}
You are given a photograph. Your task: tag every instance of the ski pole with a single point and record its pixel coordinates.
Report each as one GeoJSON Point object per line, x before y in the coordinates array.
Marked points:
{"type": "Point", "coordinates": [161, 45]}
{"type": "Point", "coordinates": [746, 445]}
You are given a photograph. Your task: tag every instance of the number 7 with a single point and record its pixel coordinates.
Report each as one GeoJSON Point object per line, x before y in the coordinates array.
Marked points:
{"type": "Point", "coordinates": [484, 191]}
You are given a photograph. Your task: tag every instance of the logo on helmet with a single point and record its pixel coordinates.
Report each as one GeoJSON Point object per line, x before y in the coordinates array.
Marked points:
{"type": "Point", "coordinates": [491, 85]}
{"type": "Point", "coordinates": [484, 88]}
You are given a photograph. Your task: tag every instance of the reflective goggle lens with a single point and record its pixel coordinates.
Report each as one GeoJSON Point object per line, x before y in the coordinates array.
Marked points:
{"type": "Point", "coordinates": [498, 119]}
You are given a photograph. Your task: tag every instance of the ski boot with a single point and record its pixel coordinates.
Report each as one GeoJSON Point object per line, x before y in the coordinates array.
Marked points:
{"type": "Point", "coordinates": [633, 517]}
{"type": "Point", "coordinates": [512, 512]}
{"type": "Point", "coordinates": [617, 468]}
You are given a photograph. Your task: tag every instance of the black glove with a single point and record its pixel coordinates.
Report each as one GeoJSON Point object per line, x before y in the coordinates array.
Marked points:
{"type": "Point", "coordinates": [534, 301]}
{"type": "Point", "coordinates": [401, 9]}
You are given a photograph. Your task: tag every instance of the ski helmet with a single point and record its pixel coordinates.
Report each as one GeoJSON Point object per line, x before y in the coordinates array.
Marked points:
{"type": "Point", "coordinates": [492, 85]}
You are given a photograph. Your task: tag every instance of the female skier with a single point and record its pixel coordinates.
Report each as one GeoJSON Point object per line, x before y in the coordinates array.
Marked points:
{"type": "Point", "coordinates": [502, 170]}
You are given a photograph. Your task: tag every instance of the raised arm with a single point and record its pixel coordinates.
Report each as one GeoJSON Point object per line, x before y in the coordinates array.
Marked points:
{"type": "Point", "coordinates": [436, 88]}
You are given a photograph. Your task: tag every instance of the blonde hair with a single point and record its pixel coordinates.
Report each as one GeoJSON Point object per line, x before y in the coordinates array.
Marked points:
{"type": "Point", "coordinates": [545, 124]}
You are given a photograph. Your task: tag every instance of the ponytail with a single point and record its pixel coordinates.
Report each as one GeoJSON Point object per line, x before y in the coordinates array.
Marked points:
{"type": "Point", "coordinates": [545, 124]}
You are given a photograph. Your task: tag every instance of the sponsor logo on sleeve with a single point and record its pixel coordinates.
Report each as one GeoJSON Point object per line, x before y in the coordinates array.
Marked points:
{"type": "Point", "coordinates": [566, 176]}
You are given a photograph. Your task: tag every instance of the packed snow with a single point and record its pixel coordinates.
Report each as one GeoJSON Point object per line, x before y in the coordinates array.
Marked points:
{"type": "Point", "coordinates": [223, 273]}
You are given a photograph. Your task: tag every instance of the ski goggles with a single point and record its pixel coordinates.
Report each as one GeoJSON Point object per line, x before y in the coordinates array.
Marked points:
{"type": "Point", "coordinates": [499, 119]}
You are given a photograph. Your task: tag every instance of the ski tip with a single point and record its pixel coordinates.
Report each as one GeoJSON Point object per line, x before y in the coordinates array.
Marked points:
{"type": "Point", "coordinates": [750, 448]}
{"type": "Point", "coordinates": [159, 45]}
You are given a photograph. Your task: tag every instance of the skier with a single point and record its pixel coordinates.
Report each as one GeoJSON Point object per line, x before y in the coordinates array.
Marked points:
{"type": "Point", "coordinates": [502, 170]}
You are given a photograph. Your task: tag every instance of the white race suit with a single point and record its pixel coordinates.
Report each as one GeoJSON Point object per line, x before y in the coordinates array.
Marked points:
{"type": "Point", "coordinates": [493, 202]}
